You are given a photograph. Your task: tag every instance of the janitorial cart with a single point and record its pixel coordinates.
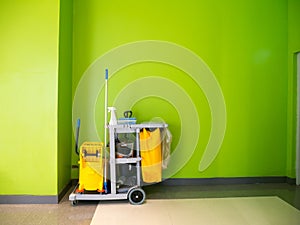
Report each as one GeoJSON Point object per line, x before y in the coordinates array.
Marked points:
{"type": "Point", "coordinates": [134, 158]}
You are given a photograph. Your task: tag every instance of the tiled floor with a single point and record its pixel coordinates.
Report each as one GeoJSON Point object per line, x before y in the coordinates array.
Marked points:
{"type": "Point", "coordinates": [287, 192]}
{"type": "Point", "coordinates": [207, 211]}
{"type": "Point", "coordinates": [82, 214]}
{"type": "Point", "coordinates": [48, 214]}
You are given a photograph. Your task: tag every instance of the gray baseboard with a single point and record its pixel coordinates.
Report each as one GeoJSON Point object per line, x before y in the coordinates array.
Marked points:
{"type": "Point", "coordinates": [64, 191]}
{"type": "Point", "coordinates": [54, 199]}
{"type": "Point", "coordinates": [226, 181]}
{"type": "Point", "coordinates": [28, 199]}
{"type": "Point", "coordinates": [35, 199]}
{"type": "Point", "coordinates": [291, 180]}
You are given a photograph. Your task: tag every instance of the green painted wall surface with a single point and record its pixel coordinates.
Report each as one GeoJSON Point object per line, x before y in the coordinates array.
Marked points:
{"type": "Point", "coordinates": [65, 94]}
{"type": "Point", "coordinates": [248, 45]}
{"type": "Point", "coordinates": [293, 48]}
{"type": "Point", "coordinates": [28, 97]}
{"type": "Point", "coordinates": [244, 43]}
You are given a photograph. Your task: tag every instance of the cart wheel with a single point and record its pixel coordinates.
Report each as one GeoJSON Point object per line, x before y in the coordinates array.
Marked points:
{"type": "Point", "coordinates": [136, 196]}
{"type": "Point", "coordinates": [74, 202]}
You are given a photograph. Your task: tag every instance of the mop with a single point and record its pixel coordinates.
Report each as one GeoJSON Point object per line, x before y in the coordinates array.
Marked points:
{"type": "Point", "coordinates": [105, 131]}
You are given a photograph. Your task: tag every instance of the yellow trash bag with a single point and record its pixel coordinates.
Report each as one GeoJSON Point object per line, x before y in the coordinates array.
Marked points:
{"type": "Point", "coordinates": [150, 146]}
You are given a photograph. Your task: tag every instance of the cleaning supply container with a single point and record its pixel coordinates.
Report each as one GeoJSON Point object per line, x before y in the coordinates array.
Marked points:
{"type": "Point", "coordinates": [91, 167]}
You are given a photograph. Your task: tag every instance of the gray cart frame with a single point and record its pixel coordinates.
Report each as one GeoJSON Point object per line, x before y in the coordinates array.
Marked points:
{"type": "Point", "coordinates": [135, 194]}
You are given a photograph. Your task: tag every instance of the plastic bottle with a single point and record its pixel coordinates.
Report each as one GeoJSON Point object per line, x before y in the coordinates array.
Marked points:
{"type": "Point", "coordinates": [113, 116]}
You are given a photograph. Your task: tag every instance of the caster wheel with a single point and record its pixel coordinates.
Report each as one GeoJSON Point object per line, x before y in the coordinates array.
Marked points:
{"type": "Point", "coordinates": [136, 196]}
{"type": "Point", "coordinates": [74, 202]}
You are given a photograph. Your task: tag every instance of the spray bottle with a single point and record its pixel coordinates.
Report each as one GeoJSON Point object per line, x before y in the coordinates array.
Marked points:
{"type": "Point", "coordinates": [113, 117]}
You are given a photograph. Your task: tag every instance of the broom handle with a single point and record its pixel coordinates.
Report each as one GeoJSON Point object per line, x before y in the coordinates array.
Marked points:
{"type": "Point", "coordinates": [77, 136]}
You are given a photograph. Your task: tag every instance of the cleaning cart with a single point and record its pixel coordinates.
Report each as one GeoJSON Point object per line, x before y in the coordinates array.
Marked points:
{"type": "Point", "coordinates": [135, 158]}
{"type": "Point", "coordinates": [127, 166]}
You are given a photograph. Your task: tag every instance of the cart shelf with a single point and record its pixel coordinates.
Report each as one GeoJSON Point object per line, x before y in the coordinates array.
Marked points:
{"type": "Point", "coordinates": [128, 160]}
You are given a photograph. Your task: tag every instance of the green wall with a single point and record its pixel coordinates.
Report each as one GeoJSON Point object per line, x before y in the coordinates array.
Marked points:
{"type": "Point", "coordinates": [65, 94]}
{"type": "Point", "coordinates": [293, 48]}
{"type": "Point", "coordinates": [249, 46]}
{"type": "Point", "coordinates": [28, 90]}
{"type": "Point", "coordinates": [36, 96]}
{"type": "Point", "coordinates": [244, 43]}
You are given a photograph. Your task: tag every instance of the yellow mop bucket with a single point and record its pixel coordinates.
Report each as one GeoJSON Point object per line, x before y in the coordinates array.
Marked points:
{"type": "Point", "coordinates": [91, 167]}
{"type": "Point", "coordinates": [150, 144]}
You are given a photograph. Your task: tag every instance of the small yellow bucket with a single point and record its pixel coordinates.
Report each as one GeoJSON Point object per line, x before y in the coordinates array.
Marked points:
{"type": "Point", "coordinates": [91, 167]}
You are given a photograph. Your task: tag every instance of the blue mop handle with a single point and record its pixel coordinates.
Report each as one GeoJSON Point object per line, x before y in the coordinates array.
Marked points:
{"type": "Point", "coordinates": [106, 74]}
{"type": "Point", "coordinates": [105, 131]}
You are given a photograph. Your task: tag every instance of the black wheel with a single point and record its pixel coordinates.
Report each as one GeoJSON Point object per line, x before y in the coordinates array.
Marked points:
{"type": "Point", "coordinates": [136, 196]}
{"type": "Point", "coordinates": [74, 202]}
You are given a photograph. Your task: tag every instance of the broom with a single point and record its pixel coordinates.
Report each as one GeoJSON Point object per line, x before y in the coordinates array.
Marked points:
{"type": "Point", "coordinates": [77, 136]}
